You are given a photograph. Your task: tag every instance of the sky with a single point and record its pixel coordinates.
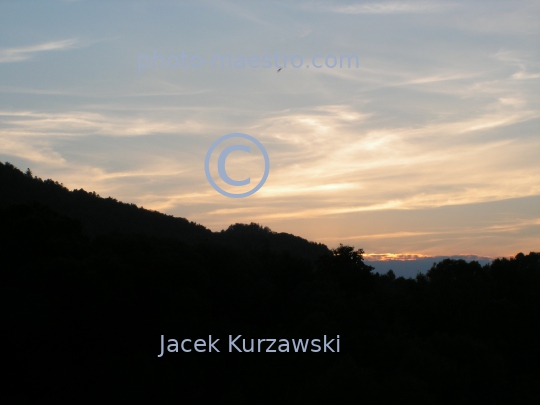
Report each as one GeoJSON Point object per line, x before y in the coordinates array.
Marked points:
{"type": "Point", "coordinates": [430, 146]}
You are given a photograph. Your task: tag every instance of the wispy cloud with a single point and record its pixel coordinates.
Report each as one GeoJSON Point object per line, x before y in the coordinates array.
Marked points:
{"type": "Point", "coordinates": [387, 7]}
{"type": "Point", "coordinates": [9, 55]}
{"type": "Point", "coordinates": [499, 228]}
{"type": "Point", "coordinates": [244, 13]}
{"type": "Point", "coordinates": [84, 123]}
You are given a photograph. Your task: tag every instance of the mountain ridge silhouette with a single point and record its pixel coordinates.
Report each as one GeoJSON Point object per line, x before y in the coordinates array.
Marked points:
{"type": "Point", "coordinates": [100, 215]}
{"type": "Point", "coordinates": [83, 313]}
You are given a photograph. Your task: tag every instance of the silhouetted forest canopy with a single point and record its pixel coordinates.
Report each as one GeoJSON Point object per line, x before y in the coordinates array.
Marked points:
{"type": "Point", "coordinates": [89, 285]}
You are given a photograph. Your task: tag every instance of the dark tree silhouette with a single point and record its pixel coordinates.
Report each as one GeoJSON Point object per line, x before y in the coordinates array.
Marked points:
{"type": "Point", "coordinates": [89, 284]}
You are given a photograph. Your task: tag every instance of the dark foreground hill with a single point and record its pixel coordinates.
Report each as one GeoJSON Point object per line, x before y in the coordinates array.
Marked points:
{"type": "Point", "coordinates": [83, 314]}
{"type": "Point", "coordinates": [100, 216]}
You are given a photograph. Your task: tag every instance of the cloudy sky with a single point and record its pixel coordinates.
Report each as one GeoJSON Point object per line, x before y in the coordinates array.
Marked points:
{"type": "Point", "coordinates": [431, 146]}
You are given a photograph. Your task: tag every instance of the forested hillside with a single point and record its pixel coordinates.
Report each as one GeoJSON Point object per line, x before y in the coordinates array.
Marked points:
{"type": "Point", "coordinates": [85, 298]}
{"type": "Point", "coordinates": [99, 215]}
